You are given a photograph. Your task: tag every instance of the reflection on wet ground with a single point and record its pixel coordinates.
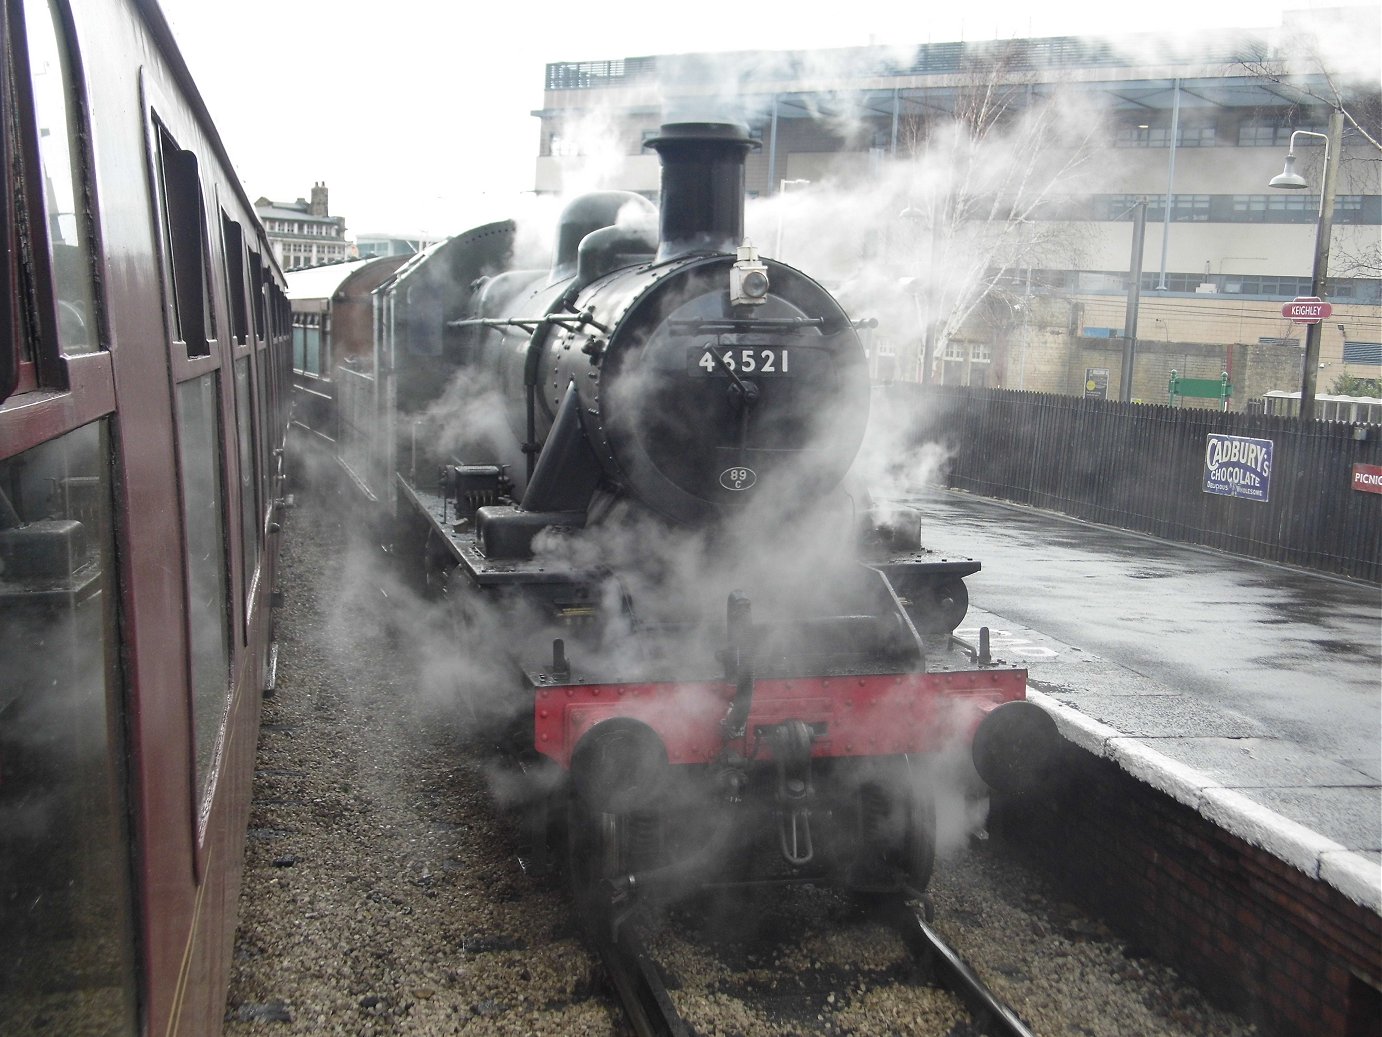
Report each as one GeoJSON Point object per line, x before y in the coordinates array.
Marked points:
{"type": "Point", "coordinates": [1300, 653]}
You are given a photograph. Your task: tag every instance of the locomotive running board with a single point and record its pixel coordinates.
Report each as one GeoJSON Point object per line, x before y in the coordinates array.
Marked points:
{"type": "Point", "coordinates": [482, 571]}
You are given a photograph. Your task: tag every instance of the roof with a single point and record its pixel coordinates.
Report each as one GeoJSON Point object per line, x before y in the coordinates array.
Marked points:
{"type": "Point", "coordinates": [1222, 69]}
{"type": "Point", "coordinates": [285, 211]}
{"type": "Point", "coordinates": [321, 282]}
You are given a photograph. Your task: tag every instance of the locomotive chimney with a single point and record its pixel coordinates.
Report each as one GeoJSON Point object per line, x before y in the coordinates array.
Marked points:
{"type": "Point", "coordinates": [702, 186]}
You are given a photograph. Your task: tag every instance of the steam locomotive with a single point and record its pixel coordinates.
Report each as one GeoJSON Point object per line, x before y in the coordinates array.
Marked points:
{"type": "Point", "coordinates": [728, 660]}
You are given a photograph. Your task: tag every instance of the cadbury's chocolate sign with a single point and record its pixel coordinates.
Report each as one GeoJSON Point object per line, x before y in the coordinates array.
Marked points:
{"type": "Point", "coordinates": [1235, 466]}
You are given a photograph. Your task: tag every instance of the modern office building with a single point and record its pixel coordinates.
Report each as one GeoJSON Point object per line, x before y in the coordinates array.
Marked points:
{"type": "Point", "coordinates": [304, 233]}
{"type": "Point", "coordinates": [373, 246]}
{"type": "Point", "coordinates": [983, 199]}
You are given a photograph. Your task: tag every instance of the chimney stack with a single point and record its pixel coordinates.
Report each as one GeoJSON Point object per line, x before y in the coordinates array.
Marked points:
{"type": "Point", "coordinates": [319, 199]}
{"type": "Point", "coordinates": [702, 202]}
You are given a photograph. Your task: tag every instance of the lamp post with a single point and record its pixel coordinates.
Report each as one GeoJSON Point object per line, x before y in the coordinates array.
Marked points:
{"type": "Point", "coordinates": [1288, 179]}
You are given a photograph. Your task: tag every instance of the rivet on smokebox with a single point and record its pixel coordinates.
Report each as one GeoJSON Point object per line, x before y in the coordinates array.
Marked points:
{"type": "Point", "coordinates": [542, 713]}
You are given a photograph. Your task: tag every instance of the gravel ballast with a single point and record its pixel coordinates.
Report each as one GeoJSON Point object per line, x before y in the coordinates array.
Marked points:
{"type": "Point", "coordinates": [383, 895]}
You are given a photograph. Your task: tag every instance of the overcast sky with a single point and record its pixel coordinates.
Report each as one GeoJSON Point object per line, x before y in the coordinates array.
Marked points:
{"type": "Point", "coordinates": [421, 122]}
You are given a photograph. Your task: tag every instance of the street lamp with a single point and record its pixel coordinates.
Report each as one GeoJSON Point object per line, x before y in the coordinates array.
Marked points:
{"type": "Point", "coordinates": [1288, 179]}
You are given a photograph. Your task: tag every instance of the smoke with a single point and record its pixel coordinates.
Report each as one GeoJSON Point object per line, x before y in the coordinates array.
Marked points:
{"type": "Point", "coordinates": [731, 86]}
{"type": "Point", "coordinates": [594, 147]}
{"type": "Point", "coordinates": [469, 419]}
{"type": "Point", "coordinates": [1343, 44]}
{"type": "Point", "coordinates": [946, 228]}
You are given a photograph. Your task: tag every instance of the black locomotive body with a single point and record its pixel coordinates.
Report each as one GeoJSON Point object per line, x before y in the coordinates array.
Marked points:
{"type": "Point", "coordinates": [723, 659]}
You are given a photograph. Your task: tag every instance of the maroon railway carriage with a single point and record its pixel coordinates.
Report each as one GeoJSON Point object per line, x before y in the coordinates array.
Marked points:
{"type": "Point", "coordinates": [143, 391]}
{"type": "Point", "coordinates": [333, 320]}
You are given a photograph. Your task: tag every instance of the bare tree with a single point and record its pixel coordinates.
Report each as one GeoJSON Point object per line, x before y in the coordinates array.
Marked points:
{"type": "Point", "coordinates": [982, 178]}
{"type": "Point", "coordinates": [1307, 70]}
{"type": "Point", "coordinates": [1329, 63]}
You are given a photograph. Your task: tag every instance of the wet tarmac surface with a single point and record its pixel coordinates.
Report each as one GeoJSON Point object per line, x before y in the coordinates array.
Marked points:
{"type": "Point", "coordinates": [1264, 677]}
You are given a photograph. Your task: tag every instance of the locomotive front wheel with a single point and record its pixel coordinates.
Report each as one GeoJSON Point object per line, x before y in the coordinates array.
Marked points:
{"type": "Point", "coordinates": [897, 840]}
{"type": "Point", "coordinates": [597, 852]}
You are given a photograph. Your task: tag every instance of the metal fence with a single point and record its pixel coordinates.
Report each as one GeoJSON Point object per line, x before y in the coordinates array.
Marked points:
{"type": "Point", "coordinates": [1146, 468]}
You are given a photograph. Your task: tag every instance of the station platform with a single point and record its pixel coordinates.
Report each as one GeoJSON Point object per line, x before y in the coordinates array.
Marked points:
{"type": "Point", "coordinates": [1247, 691]}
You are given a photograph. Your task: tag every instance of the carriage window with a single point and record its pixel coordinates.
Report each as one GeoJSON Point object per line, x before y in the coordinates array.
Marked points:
{"type": "Point", "coordinates": [299, 343]}
{"type": "Point", "coordinates": [66, 963]}
{"type": "Point", "coordinates": [257, 279]}
{"type": "Point", "coordinates": [15, 355]}
{"type": "Point", "coordinates": [58, 116]}
{"type": "Point", "coordinates": [312, 350]}
{"type": "Point", "coordinates": [199, 455]}
{"type": "Point", "coordinates": [234, 242]}
{"type": "Point", "coordinates": [184, 239]}
{"type": "Point", "coordinates": [250, 531]}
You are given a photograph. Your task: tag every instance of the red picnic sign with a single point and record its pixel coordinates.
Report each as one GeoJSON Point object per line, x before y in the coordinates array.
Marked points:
{"type": "Point", "coordinates": [1368, 478]}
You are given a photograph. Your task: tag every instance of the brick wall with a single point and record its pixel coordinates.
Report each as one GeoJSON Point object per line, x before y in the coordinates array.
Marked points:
{"type": "Point", "coordinates": [1285, 951]}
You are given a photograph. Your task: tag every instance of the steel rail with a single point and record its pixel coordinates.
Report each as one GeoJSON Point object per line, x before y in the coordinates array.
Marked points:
{"type": "Point", "coordinates": [636, 979]}
{"type": "Point", "coordinates": [933, 954]}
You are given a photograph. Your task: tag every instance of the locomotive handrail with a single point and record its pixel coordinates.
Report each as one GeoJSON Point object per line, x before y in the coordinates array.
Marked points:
{"type": "Point", "coordinates": [727, 324]}
{"type": "Point", "coordinates": [530, 324]}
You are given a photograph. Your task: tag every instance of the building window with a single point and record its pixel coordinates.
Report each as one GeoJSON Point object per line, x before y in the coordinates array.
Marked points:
{"type": "Point", "coordinates": [1362, 352]}
{"type": "Point", "coordinates": [1277, 287]}
{"type": "Point", "coordinates": [1264, 133]}
{"type": "Point", "coordinates": [1134, 136]}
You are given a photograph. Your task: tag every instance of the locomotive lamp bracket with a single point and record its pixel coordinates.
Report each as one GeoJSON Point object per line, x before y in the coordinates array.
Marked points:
{"type": "Point", "coordinates": [748, 278]}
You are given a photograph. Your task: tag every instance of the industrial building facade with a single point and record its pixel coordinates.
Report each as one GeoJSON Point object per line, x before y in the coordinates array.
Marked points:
{"type": "Point", "coordinates": [984, 199]}
{"type": "Point", "coordinates": [304, 233]}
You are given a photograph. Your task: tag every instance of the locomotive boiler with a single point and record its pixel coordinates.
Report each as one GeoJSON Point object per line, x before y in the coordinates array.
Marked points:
{"type": "Point", "coordinates": [727, 664]}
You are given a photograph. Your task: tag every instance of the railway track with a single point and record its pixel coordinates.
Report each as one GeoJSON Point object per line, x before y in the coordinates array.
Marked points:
{"type": "Point", "coordinates": [620, 937]}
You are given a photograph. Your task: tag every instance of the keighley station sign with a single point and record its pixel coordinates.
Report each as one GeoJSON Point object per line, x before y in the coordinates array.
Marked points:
{"type": "Point", "coordinates": [1307, 309]}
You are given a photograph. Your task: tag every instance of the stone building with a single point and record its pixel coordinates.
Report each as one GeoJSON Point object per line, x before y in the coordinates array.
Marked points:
{"type": "Point", "coordinates": [304, 233]}
{"type": "Point", "coordinates": [1001, 254]}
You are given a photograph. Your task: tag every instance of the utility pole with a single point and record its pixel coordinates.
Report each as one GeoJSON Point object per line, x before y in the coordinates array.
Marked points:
{"type": "Point", "coordinates": [1319, 274]}
{"type": "Point", "coordinates": [1139, 234]}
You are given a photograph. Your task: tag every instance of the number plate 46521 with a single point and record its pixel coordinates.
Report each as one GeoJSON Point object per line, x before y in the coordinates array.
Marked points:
{"type": "Point", "coordinates": [742, 360]}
